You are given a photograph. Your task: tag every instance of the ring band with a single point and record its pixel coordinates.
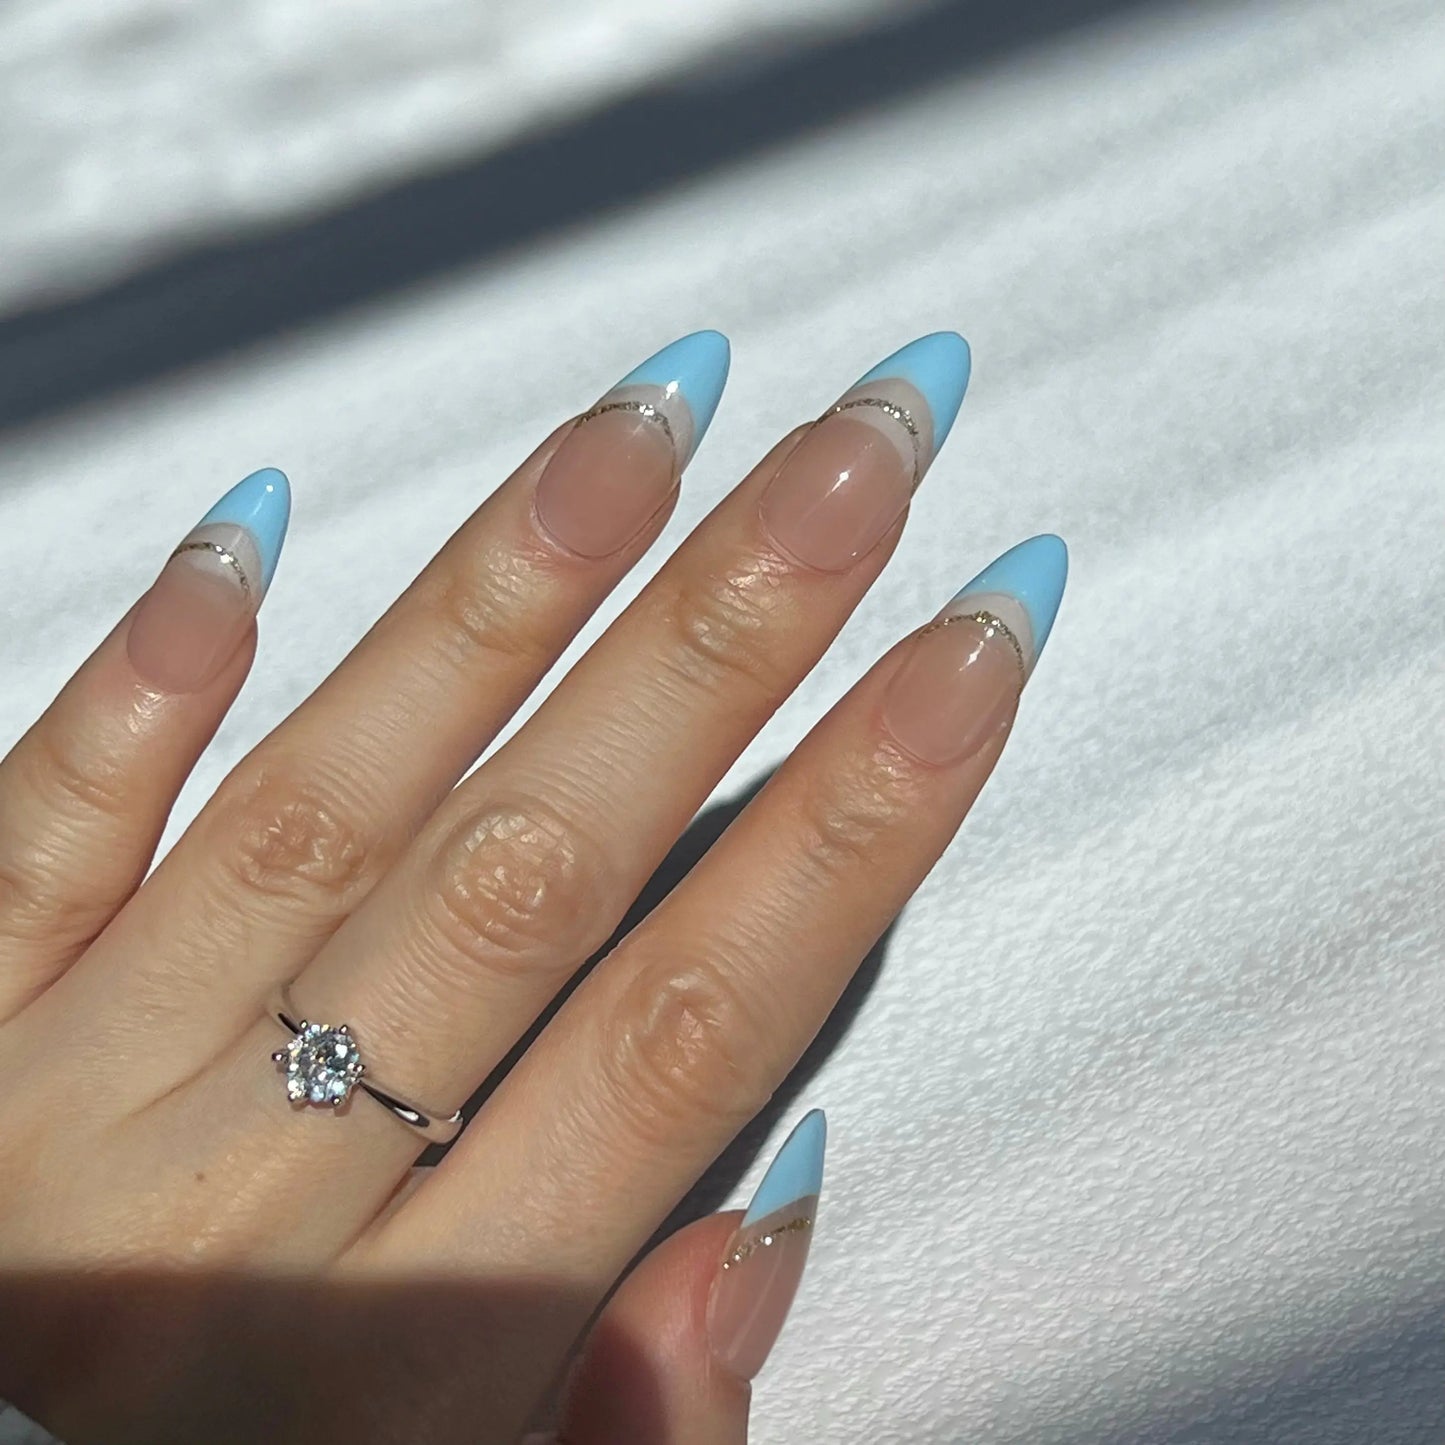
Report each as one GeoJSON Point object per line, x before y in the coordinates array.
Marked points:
{"type": "Point", "coordinates": [323, 1065]}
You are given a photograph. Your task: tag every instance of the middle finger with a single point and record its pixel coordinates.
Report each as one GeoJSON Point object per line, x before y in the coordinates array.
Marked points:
{"type": "Point", "coordinates": [528, 867]}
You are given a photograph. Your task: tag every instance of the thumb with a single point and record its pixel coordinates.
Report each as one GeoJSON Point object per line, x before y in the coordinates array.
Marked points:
{"type": "Point", "coordinates": [670, 1359]}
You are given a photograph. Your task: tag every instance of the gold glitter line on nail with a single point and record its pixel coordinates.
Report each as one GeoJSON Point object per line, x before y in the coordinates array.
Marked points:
{"type": "Point", "coordinates": [991, 622]}
{"type": "Point", "coordinates": [228, 558]}
{"type": "Point", "coordinates": [900, 414]}
{"type": "Point", "coordinates": [766, 1239]}
{"type": "Point", "coordinates": [642, 408]}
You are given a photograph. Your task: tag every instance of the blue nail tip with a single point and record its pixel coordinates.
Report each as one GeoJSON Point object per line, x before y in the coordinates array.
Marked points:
{"type": "Point", "coordinates": [261, 503]}
{"type": "Point", "coordinates": [796, 1171]}
{"type": "Point", "coordinates": [698, 365]}
{"type": "Point", "coordinates": [1034, 572]}
{"type": "Point", "coordinates": [938, 367]}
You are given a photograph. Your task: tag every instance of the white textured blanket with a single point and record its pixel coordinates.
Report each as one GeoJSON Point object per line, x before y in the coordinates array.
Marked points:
{"type": "Point", "coordinates": [1137, 1135]}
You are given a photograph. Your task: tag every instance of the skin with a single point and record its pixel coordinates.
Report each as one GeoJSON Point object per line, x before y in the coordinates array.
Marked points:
{"type": "Point", "coordinates": [182, 1254]}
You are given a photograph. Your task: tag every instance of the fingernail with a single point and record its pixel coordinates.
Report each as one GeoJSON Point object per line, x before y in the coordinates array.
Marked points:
{"type": "Point", "coordinates": [622, 460]}
{"type": "Point", "coordinates": [959, 682]}
{"type": "Point", "coordinates": [849, 480]}
{"type": "Point", "coordinates": [763, 1265]}
{"type": "Point", "coordinates": [189, 624]}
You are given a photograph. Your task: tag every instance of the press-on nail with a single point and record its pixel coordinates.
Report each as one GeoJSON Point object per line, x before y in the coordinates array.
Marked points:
{"type": "Point", "coordinates": [188, 626]}
{"type": "Point", "coordinates": [763, 1265]}
{"type": "Point", "coordinates": [1023, 588]}
{"type": "Point", "coordinates": [845, 485]}
{"type": "Point", "coordinates": [958, 683]}
{"type": "Point", "coordinates": [937, 367]}
{"type": "Point", "coordinates": [619, 465]}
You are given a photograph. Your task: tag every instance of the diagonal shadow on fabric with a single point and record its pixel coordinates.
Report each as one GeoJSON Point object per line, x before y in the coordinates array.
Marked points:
{"type": "Point", "coordinates": [220, 297]}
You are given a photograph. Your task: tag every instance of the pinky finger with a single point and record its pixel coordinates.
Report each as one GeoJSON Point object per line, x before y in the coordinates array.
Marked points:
{"type": "Point", "coordinates": [670, 1360]}
{"type": "Point", "coordinates": [85, 794]}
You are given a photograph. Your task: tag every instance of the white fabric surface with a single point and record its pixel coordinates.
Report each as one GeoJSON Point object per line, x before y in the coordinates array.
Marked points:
{"type": "Point", "coordinates": [137, 125]}
{"type": "Point", "coordinates": [1138, 1136]}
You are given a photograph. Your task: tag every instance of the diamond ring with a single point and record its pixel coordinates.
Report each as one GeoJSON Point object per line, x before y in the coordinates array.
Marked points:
{"type": "Point", "coordinates": [323, 1065]}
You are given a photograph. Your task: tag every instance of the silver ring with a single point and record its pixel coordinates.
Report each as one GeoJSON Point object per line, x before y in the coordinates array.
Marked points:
{"type": "Point", "coordinates": [323, 1065]}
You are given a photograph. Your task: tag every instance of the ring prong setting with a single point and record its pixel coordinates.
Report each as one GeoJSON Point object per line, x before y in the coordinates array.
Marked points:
{"type": "Point", "coordinates": [323, 1067]}
{"type": "Point", "coordinates": [322, 1064]}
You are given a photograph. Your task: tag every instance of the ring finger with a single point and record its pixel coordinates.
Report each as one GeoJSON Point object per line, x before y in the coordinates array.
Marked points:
{"type": "Point", "coordinates": [529, 865]}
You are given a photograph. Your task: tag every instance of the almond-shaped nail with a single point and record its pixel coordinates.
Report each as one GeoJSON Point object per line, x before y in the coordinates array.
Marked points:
{"type": "Point", "coordinates": [763, 1265]}
{"type": "Point", "coordinates": [621, 462]}
{"type": "Point", "coordinates": [849, 480]}
{"type": "Point", "coordinates": [959, 681]}
{"type": "Point", "coordinates": [188, 626]}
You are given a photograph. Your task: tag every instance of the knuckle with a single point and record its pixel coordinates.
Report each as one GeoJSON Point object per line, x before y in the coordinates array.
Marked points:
{"type": "Point", "coordinates": [73, 862]}
{"type": "Point", "coordinates": [677, 1049]}
{"type": "Point", "coordinates": [285, 834]}
{"type": "Point", "coordinates": [76, 783]}
{"type": "Point", "coordinates": [515, 886]}
{"type": "Point", "coordinates": [28, 905]}
{"type": "Point", "coordinates": [846, 824]}
{"type": "Point", "coordinates": [724, 630]}
{"type": "Point", "coordinates": [40, 903]}
{"type": "Point", "coordinates": [487, 611]}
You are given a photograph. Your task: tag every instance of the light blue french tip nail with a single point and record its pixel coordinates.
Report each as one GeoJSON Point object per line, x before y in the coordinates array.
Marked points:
{"type": "Point", "coordinates": [1034, 572]}
{"type": "Point", "coordinates": [796, 1171]}
{"type": "Point", "coordinates": [697, 365]}
{"type": "Point", "coordinates": [937, 366]}
{"type": "Point", "coordinates": [261, 503]}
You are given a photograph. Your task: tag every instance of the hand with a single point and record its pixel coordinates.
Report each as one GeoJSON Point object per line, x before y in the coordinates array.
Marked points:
{"type": "Point", "coordinates": [197, 1242]}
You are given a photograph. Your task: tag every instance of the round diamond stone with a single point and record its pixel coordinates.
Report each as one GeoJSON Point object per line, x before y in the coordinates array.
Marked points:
{"type": "Point", "coordinates": [322, 1065]}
